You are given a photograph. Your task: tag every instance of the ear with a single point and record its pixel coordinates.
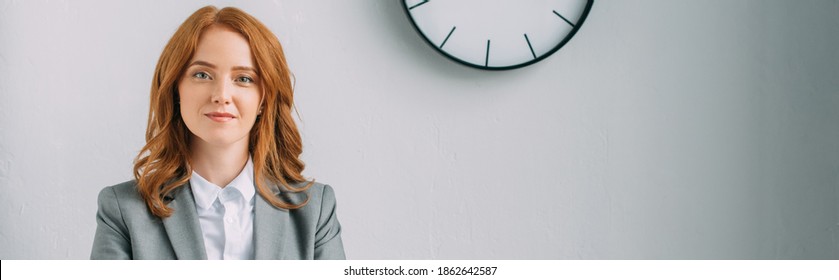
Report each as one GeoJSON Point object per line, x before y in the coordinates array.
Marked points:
{"type": "Point", "coordinates": [261, 100]}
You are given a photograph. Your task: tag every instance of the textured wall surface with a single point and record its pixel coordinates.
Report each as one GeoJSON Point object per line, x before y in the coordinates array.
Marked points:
{"type": "Point", "coordinates": [664, 129]}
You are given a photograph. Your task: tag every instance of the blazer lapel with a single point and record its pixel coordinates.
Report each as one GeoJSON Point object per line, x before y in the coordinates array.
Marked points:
{"type": "Point", "coordinates": [183, 228]}
{"type": "Point", "coordinates": [270, 229]}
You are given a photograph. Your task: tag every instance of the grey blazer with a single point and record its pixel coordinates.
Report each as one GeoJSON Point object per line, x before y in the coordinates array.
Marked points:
{"type": "Point", "coordinates": [126, 229]}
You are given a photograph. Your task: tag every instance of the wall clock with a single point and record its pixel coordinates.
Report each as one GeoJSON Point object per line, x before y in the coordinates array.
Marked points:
{"type": "Point", "coordinates": [497, 34]}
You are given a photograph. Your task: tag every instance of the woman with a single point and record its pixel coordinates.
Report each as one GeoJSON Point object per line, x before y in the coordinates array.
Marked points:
{"type": "Point", "coordinates": [219, 176]}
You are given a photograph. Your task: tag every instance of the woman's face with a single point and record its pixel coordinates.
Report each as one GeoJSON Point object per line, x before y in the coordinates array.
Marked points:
{"type": "Point", "coordinates": [219, 92]}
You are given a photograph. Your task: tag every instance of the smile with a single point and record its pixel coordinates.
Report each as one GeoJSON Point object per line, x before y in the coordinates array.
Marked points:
{"type": "Point", "coordinates": [220, 116]}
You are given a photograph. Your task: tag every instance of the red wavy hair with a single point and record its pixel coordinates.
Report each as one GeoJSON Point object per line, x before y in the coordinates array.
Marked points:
{"type": "Point", "coordinates": [163, 164]}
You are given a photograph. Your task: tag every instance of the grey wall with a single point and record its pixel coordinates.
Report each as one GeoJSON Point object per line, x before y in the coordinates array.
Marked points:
{"type": "Point", "coordinates": [664, 129]}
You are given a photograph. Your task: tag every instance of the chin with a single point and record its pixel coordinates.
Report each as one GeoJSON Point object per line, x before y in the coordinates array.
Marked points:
{"type": "Point", "coordinates": [223, 139]}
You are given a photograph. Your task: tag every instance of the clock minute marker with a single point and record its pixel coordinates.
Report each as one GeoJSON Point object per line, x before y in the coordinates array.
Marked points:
{"type": "Point", "coordinates": [530, 46]}
{"type": "Point", "coordinates": [430, 24]}
{"type": "Point", "coordinates": [418, 4]}
{"type": "Point", "coordinates": [447, 37]}
{"type": "Point", "coordinates": [563, 18]}
{"type": "Point", "coordinates": [486, 62]}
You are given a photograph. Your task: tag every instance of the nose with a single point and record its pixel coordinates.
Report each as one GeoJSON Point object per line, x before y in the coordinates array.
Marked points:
{"type": "Point", "coordinates": [222, 94]}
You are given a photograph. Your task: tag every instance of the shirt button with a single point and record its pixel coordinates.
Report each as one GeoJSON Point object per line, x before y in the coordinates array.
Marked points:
{"type": "Point", "coordinates": [229, 220]}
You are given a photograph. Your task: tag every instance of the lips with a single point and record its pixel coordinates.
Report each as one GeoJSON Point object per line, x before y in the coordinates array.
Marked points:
{"type": "Point", "coordinates": [220, 116]}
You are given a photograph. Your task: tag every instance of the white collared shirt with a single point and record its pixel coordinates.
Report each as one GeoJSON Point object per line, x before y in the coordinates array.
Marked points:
{"type": "Point", "coordinates": [226, 215]}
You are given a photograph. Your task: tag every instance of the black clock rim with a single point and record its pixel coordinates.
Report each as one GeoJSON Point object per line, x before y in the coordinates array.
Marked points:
{"type": "Point", "coordinates": [571, 34]}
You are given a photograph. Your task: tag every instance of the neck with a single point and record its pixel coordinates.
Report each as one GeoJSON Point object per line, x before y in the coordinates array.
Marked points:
{"type": "Point", "coordinates": [218, 164]}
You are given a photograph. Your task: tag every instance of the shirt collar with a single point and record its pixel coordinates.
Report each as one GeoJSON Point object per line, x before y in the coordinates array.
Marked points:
{"type": "Point", "coordinates": [206, 193]}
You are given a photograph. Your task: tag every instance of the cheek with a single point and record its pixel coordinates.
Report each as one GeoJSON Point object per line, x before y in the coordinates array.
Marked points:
{"type": "Point", "coordinates": [189, 99]}
{"type": "Point", "coordinates": [249, 103]}
{"type": "Point", "coordinates": [190, 96]}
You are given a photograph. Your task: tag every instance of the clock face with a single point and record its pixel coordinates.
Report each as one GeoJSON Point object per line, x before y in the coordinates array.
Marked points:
{"type": "Point", "coordinates": [497, 34]}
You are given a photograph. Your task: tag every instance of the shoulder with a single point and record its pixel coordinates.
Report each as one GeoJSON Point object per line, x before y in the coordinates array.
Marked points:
{"type": "Point", "coordinates": [319, 193]}
{"type": "Point", "coordinates": [317, 188]}
{"type": "Point", "coordinates": [122, 190]}
{"type": "Point", "coordinates": [321, 198]}
{"type": "Point", "coordinates": [123, 195]}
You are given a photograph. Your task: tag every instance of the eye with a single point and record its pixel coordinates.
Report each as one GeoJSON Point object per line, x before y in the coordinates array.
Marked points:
{"type": "Point", "coordinates": [244, 79]}
{"type": "Point", "coordinates": [201, 75]}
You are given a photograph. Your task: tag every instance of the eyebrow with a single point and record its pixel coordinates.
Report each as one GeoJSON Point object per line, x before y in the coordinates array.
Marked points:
{"type": "Point", "coordinates": [204, 63]}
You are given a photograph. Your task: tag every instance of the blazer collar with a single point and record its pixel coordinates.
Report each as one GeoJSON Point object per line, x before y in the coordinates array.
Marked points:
{"type": "Point", "coordinates": [271, 224]}
{"type": "Point", "coordinates": [182, 227]}
{"type": "Point", "coordinates": [270, 229]}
